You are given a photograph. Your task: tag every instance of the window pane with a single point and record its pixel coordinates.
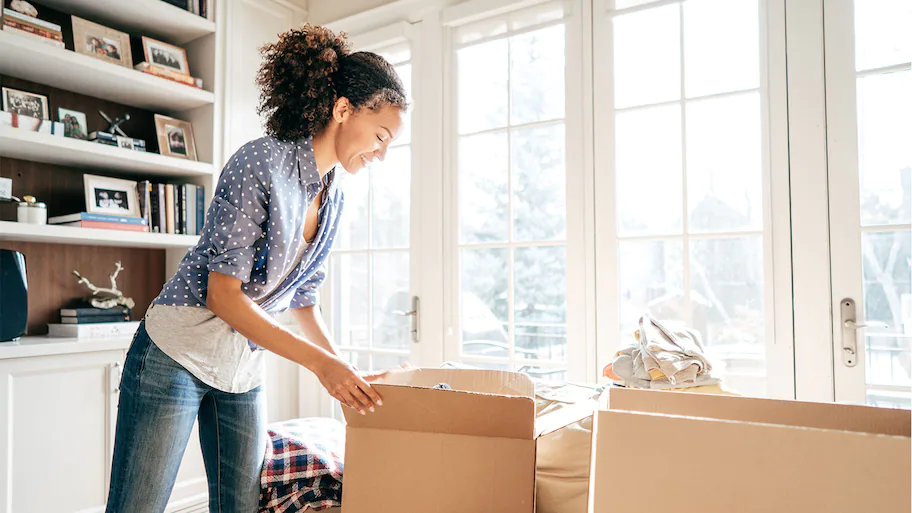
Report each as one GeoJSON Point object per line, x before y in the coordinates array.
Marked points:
{"type": "Point", "coordinates": [537, 75]}
{"type": "Point", "coordinates": [623, 4]}
{"type": "Point", "coordinates": [484, 302]}
{"type": "Point", "coordinates": [351, 303]}
{"type": "Point", "coordinates": [721, 46]}
{"type": "Point", "coordinates": [390, 199]}
{"type": "Point", "coordinates": [540, 299]}
{"type": "Point", "coordinates": [884, 155]}
{"type": "Point", "coordinates": [390, 294]}
{"type": "Point", "coordinates": [882, 33]}
{"type": "Point", "coordinates": [647, 57]}
{"type": "Point", "coordinates": [483, 197]}
{"type": "Point", "coordinates": [483, 70]}
{"type": "Point", "coordinates": [724, 166]}
{"type": "Point", "coordinates": [353, 226]}
{"type": "Point", "coordinates": [648, 168]}
{"type": "Point", "coordinates": [539, 183]}
{"type": "Point", "coordinates": [726, 297]}
{"type": "Point", "coordinates": [387, 361]}
{"type": "Point", "coordinates": [359, 360]}
{"type": "Point", "coordinates": [651, 281]}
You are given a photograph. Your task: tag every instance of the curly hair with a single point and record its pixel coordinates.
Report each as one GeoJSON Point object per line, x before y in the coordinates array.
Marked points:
{"type": "Point", "coordinates": [308, 69]}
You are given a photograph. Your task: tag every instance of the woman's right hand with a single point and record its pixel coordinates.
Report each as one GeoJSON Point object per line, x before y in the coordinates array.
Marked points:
{"type": "Point", "coordinates": [346, 385]}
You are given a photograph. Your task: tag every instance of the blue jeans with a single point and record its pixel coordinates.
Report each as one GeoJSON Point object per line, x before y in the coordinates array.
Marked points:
{"type": "Point", "coordinates": [159, 400]}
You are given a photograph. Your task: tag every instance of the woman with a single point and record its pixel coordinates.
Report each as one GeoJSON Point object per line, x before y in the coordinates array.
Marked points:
{"type": "Point", "coordinates": [270, 226]}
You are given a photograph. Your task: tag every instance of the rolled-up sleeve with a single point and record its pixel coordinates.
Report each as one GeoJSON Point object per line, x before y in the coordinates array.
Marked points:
{"type": "Point", "coordinates": [306, 294]}
{"type": "Point", "coordinates": [239, 211]}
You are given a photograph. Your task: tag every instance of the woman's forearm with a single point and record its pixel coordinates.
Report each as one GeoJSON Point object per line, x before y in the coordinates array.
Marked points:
{"type": "Point", "coordinates": [314, 327]}
{"type": "Point", "coordinates": [226, 300]}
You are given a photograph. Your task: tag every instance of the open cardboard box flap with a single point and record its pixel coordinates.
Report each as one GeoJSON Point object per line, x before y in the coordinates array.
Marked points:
{"type": "Point", "coordinates": [466, 380]}
{"type": "Point", "coordinates": [862, 419]}
{"type": "Point", "coordinates": [481, 403]}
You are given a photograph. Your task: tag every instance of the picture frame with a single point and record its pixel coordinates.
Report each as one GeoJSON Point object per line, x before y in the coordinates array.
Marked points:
{"type": "Point", "coordinates": [101, 42]}
{"type": "Point", "coordinates": [175, 137]}
{"type": "Point", "coordinates": [165, 56]}
{"type": "Point", "coordinates": [111, 196]}
{"type": "Point", "coordinates": [25, 103]}
{"type": "Point", "coordinates": [74, 122]}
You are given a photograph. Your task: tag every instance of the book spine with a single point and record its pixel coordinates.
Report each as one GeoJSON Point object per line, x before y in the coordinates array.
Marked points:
{"type": "Point", "coordinates": [94, 312]}
{"type": "Point", "coordinates": [110, 226]}
{"type": "Point", "coordinates": [38, 31]}
{"type": "Point", "coordinates": [29, 35]}
{"type": "Point", "coordinates": [184, 195]}
{"type": "Point", "coordinates": [92, 331]}
{"type": "Point", "coordinates": [200, 209]}
{"type": "Point", "coordinates": [191, 209]}
{"type": "Point", "coordinates": [169, 207]}
{"type": "Point", "coordinates": [162, 207]}
{"type": "Point", "coordinates": [9, 14]}
{"type": "Point", "coordinates": [94, 320]}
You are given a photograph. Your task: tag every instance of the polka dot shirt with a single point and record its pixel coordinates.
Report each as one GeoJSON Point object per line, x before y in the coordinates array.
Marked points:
{"type": "Point", "coordinates": [254, 229]}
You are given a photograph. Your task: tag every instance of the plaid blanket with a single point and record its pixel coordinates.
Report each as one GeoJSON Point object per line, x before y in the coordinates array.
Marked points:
{"type": "Point", "coordinates": [303, 466]}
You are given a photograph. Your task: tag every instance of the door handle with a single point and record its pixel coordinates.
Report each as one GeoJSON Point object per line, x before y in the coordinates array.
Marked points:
{"type": "Point", "coordinates": [850, 329]}
{"type": "Point", "coordinates": [852, 325]}
{"type": "Point", "coordinates": [415, 314]}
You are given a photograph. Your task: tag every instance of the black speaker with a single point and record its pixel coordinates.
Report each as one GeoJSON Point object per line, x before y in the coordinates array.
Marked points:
{"type": "Point", "coordinates": [13, 295]}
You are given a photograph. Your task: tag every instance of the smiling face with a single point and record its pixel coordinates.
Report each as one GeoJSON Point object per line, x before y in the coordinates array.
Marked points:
{"type": "Point", "coordinates": [364, 135]}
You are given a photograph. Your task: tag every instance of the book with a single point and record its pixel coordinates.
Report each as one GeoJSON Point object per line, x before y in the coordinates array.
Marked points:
{"type": "Point", "coordinates": [158, 71]}
{"type": "Point", "coordinates": [145, 209]}
{"type": "Point", "coordinates": [87, 310]}
{"type": "Point", "coordinates": [191, 209]}
{"type": "Point", "coordinates": [29, 35]}
{"type": "Point", "coordinates": [158, 201]}
{"type": "Point", "coordinates": [38, 31]}
{"type": "Point", "coordinates": [170, 209]}
{"type": "Point", "coordinates": [102, 218]}
{"type": "Point", "coordinates": [93, 320]}
{"type": "Point", "coordinates": [93, 331]}
{"type": "Point", "coordinates": [200, 209]}
{"type": "Point", "coordinates": [107, 226]}
{"type": "Point", "coordinates": [16, 15]}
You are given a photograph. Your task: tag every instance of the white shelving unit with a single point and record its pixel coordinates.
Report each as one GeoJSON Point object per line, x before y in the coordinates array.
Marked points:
{"type": "Point", "coordinates": [140, 16]}
{"type": "Point", "coordinates": [37, 147]}
{"type": "Point", "coordinates": [50, 234]}
{"type": "Point", "coordinates": [71, 71]}
{"type": "Point", "coordinates": [29, 347]}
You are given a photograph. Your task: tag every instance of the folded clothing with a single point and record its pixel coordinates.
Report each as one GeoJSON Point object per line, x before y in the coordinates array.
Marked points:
{"type": "Point", "coordinates": [303, 466]}
{"type": "Point", "coordinates": [661, 357]}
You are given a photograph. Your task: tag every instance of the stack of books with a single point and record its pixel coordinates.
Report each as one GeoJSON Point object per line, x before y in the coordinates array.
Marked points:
{"type": "Point", "coordinates": [117, 140]}
{"type": "Point", "coordinates": [17, 23]}
{"type": "Point", "coordinates": [84, 321]}
{"type": "Point", "coordinates": [105, 221]}
{"type": "Point", "coordinates": [173, 208]}
{"type": "Point", "coordinates": [168, 74]}
{"type": "Point", "coordinates": [90, 315]}
{"type": "Point", "coordinates": [197, 7]}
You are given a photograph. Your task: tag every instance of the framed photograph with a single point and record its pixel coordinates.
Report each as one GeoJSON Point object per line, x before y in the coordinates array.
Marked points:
{"type": "Point", "coordinates": [104, 195]}
{"type": "Point", "coordinates": [25, 103]}
{"type": "Point", "coordinates": [74, 123]}
{"type": "Point", "coordinates": [163, 55]}
{"type": "Point", "coordinates": [102, 42]}
{"type": "Point", "coordinates": [175, 137]}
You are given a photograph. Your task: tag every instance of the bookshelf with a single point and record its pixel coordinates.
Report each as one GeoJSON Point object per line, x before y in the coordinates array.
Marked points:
{"type": "Point", "coordinates": [63, 69]}
{"type": "Point", "coordinates": [65, 151]}
{"type": "Point", "coordinates": [50, 234]}
{"type": "Point", "coordinates": [152, 17]}
{"type": "Point", "coordinates": [51, 167]}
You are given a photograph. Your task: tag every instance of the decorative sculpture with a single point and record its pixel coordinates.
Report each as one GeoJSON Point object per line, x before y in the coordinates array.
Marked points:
{"type": "Point", "coordinates": [107, 297]}
{"type": "Point", "coordinates": [114, 126]}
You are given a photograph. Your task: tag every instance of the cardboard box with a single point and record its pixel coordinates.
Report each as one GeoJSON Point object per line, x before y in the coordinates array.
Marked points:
{"type": "Point", "coordinates": [692, 453]}
{"type": "Point", "coordinates": [468, 449]}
